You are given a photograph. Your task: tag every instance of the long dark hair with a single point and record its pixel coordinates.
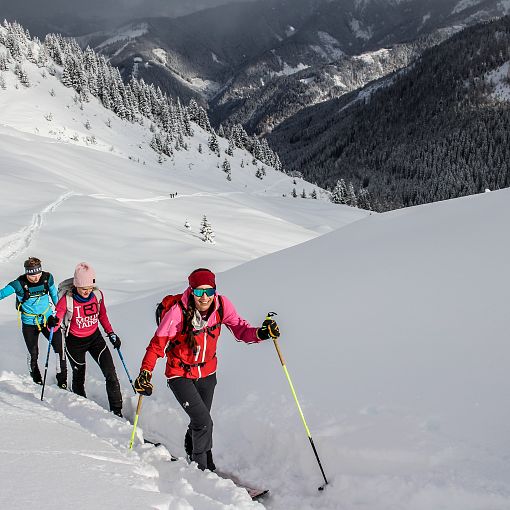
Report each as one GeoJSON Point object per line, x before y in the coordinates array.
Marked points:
{"type": "Point", "coordinates": [191, 341]}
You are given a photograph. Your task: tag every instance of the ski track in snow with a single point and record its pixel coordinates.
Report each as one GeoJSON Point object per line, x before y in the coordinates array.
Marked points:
{"type": "Point", "coordinates": [13, 244]}
{"type": "Point", "coordinates": [161, 198]}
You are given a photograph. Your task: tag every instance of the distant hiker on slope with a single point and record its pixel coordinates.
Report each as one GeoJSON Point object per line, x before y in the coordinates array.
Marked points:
{"type": "Point", "coordinates": [33, 292]}
{"type": "Point", "coordinates": [80, 308]}
{"type": "Point", "coordinates": [187, 335]}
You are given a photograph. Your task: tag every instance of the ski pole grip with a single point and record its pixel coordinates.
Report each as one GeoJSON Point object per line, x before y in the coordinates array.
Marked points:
{"type": "Point", "coordinates": [139, 405]}
{"type": "Point", "coordinates": [278, 351]}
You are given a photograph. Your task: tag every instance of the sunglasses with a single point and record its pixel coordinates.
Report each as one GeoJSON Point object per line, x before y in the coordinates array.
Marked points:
{"type": "Point", "coordinates": [201, 292]}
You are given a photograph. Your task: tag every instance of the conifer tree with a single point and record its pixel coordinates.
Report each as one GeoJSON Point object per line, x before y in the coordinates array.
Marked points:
{"type": "Point", "coordinates": [213, 144]}
{"type": "Point", "coordinates": [3, 62]}
{"type": "Point", "coordinates": [230, 149]}
{"type": "Point", "coordinates": [22, 75]}
{"type": "Point", "coordinates": [339, 193]}
{"type": "Point", "coordinates": [226, 166]}
{"type": "Point", "coordinates": [351, 196]}
{"type": "Point", "coordinates": [206, 231]}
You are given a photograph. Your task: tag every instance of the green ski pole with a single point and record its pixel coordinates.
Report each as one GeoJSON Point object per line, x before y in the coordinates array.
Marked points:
{"type": "Point", "coordinates": [135, 423]}
{"type": "Point", "coordinates": [269, 315]}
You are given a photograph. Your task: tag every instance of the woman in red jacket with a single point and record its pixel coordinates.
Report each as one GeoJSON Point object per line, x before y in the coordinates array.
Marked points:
{"type": "Point", "coordinates": [187, 335]}
{"type": "Point", "coordinates": [83, 335]}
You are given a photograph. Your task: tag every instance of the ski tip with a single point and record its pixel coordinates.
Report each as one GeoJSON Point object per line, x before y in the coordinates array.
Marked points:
{"type": "Point", "coordinates": [258, 494]}
{"type": "Point", "coordinates": [155, 444]}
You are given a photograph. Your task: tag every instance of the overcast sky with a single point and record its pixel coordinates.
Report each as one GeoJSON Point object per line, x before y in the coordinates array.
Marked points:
{"type": "Point", "coordinates": [103, 8]}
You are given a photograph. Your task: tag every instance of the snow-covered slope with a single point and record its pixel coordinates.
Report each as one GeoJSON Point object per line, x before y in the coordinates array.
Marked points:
{"type": "Point", "coordinates": [71, 192]}
{"type": "Point", "coordinates": [394, 330]}
{"type": "Point", "coordinates": [396, 342]}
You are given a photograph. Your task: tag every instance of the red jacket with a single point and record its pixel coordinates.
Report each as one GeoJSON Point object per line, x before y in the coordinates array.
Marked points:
{"type": "Point", "coordinates": [181, 361]}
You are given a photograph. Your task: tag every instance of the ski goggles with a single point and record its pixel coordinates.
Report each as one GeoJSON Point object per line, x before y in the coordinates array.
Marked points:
{"type": "Point", "coordinates": [201, 292]}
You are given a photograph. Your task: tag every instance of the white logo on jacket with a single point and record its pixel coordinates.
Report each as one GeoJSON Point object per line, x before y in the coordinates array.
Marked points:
{"type": "Point", "coordinates": [87, 321]}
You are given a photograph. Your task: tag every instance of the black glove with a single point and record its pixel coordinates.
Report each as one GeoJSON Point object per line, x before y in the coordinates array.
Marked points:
{"type": "Point", "coordinates": [115, 340]}
{"type": "Point", "coordinates": [269, 329]}
{"type": "Point", "coordinates": [143, 383]}
{"type": "Point", "coordinates": [52, 321]}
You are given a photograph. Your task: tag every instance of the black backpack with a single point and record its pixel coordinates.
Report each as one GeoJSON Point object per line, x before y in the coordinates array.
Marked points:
{"type": "Point", "coordinates": [22, 279]}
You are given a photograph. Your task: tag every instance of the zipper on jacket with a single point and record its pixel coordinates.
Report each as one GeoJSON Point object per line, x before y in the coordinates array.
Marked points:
{"type": "Point", "coordinates": [205, 346]}
{"type": "Point", "coordinates": [198, 353]}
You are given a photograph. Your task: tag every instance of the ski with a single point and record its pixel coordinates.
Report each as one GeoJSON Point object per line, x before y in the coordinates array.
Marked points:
{"type": "Point", "coordinates": [173, 458]}
{"type": "Point", "coordinates": [253, 492]}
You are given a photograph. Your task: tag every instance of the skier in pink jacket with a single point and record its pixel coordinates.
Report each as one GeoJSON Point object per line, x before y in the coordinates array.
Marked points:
{"type": "Point", "coordinates": [188, 335]}
{"type": "Point", "coordinates": [83, 334]}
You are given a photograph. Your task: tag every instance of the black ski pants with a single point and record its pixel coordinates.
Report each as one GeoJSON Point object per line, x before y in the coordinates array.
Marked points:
{"type": "Point", "coordinates": [196, 396]}
{"type": "Point", "coordinates": [94, 344]}
{"type": "Point", "coordinates": [31, 336]}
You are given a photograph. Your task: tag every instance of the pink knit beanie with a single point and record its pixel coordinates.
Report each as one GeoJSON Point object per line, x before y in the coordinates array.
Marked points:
{"type": "Point", "coordinates": [84, 275]}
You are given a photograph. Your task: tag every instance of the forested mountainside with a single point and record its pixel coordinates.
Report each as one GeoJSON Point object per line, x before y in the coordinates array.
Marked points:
{"type": "Point", "coordinates": [256, 63]}
{"type": "Point", "coordinates": [438, 130]}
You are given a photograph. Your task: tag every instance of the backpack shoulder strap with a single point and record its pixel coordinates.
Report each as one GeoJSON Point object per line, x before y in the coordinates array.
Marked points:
{"type": "Point", "coordinates": [26, 291]}
{"type": "Point", "coordinates": [99, 295]}
{"type": "Point", "coordinates": [45, 277]}
{"type": "Point", "coordinates": [66, 321]}
{"type": "Point", "coordinates": [220, 309]}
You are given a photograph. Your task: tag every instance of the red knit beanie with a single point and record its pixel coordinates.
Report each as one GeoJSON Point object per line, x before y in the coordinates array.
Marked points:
{"type": "Point", "coordinates": [200, 277]}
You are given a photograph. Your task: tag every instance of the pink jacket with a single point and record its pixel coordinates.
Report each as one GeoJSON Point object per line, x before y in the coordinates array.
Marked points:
{"type": "Point", "coordinates": [85, 316]}
{"type": "Point", "coordinates": [181, 360]}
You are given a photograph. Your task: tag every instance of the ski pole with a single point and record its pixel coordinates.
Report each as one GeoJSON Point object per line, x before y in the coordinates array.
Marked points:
{"type": "Point", "coordinates": [269, 315]}
{"type": "Point", "coordinates": [50, 339]}
{"type": "Point", "coordinates": [125, 368]}
{"type": "Point", "coordinates": [138, 409]}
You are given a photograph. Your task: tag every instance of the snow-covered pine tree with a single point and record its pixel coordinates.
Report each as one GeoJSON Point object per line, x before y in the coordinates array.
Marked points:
{"type": "Point", "coordinates": [230, 149]}
{"type": "Point", "coordinates": [213, 144]}
{"type": "Point", "coordinates": [314, 194]}
{"type": "Point", "coordinates": [4, 62]}
{"type": "Point", "coordinates": [351, 196]}
{"type": "Point", "coordinates": [364, 199]}
{"type": "Point", "coordinates": [303, 193]}
{"type": "Point", "coordinates": [294, 192]}
{"type": "Point", "coordinates": [22, 75]}
{"type": "Point", "coordinates": [226, 166]}
{"type": "Point", "coordinates": [206, 231]}
{"type": "Point", "coordinates": [339, 193]}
